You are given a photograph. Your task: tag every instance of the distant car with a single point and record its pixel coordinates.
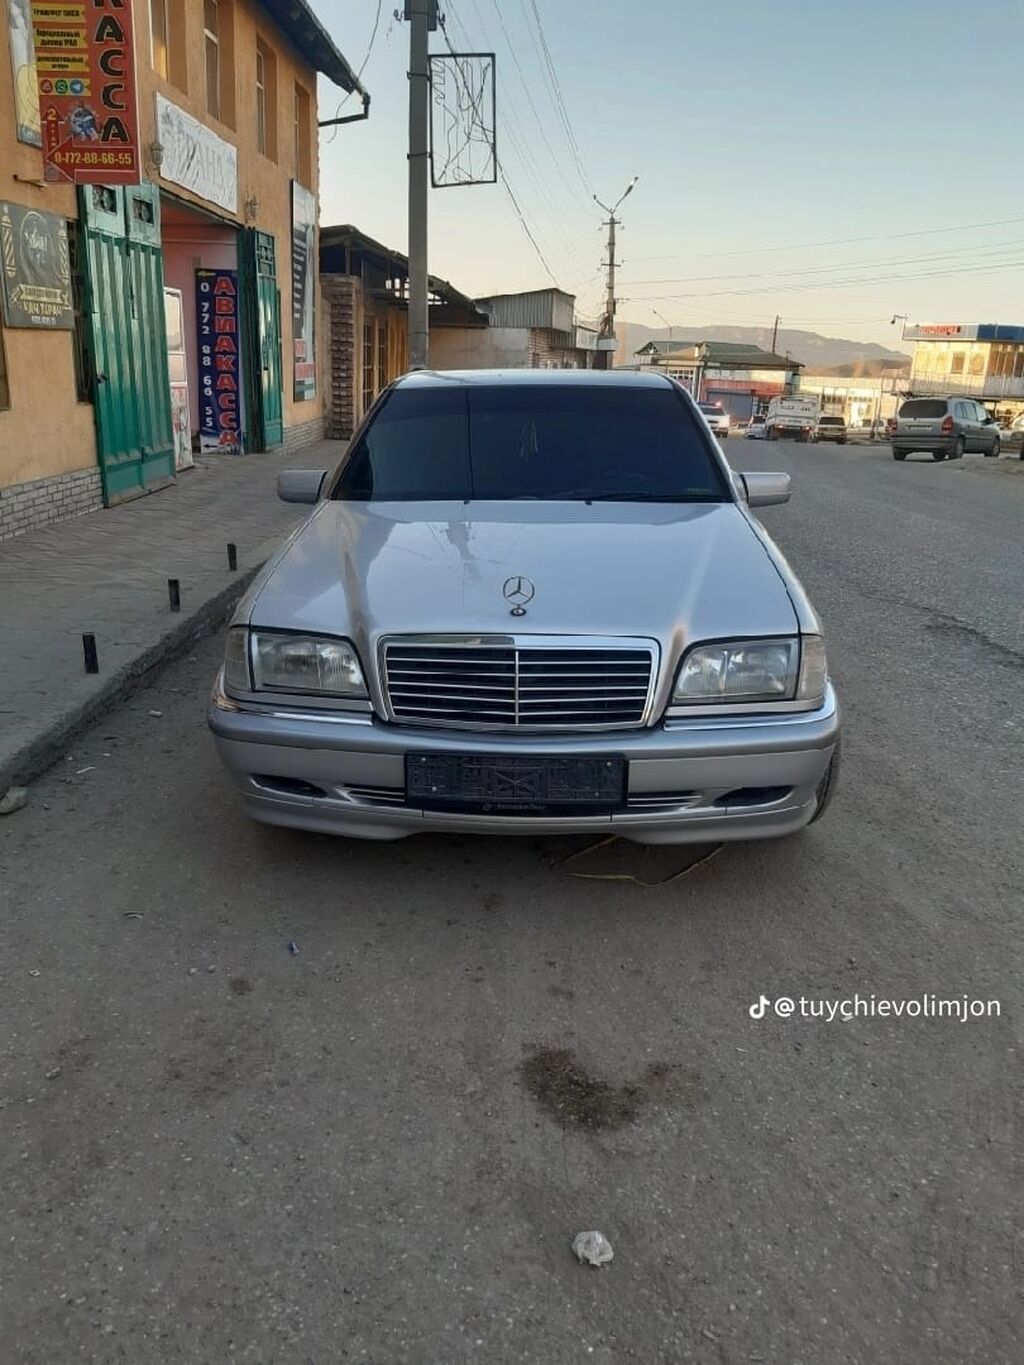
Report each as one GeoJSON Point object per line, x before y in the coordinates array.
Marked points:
{"type": "Point", "coordinates": [830, 429]}
{"type": "Point", "coordinates": [717, 418]}
{"type": "Point", "coordinates": [757, 430]}
{"type": "Point", "coordinates": [945, 428]}
{"type": "Point", "coordinates": [1012, 437]}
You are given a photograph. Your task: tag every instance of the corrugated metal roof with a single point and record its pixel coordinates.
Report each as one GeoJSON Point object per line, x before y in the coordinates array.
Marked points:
{"type": "Point", "coordinates": [296, 19]}
{"type": "Point", "coordinates": [549, 308]}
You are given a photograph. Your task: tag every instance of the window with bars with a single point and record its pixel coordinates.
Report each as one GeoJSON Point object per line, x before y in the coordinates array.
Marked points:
{"type": "Point", "coordinates": [369, 390]}
{"type": "Point", "coordinates": [383, 377]}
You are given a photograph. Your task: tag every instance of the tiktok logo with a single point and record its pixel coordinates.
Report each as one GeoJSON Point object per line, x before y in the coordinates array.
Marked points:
{"type": "Point", "coordinates": [757, 1011]}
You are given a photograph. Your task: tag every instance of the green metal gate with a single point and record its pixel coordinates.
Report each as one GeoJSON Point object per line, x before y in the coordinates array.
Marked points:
{"type": "Point", "coordinates": [261, 302]}
{"type": "Point", "coordinates": [124, 302]}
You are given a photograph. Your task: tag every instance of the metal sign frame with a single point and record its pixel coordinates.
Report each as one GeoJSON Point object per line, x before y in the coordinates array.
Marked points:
{"type": "Point", "coordinates": [440, 62]}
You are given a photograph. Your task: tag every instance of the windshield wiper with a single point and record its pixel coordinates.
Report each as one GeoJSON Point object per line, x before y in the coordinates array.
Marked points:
{"type": "Point", "coordinates": [585, 496]}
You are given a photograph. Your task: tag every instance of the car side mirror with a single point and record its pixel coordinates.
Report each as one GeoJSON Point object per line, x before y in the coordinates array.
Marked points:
{"type": "Point", "coordinates": [763, 490]}
{"type": "Point", "coordinates": [300, 485]}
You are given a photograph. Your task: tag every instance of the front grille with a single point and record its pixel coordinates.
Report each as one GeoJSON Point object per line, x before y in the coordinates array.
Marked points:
{"type": "Point", "coordinates": [509, 685]}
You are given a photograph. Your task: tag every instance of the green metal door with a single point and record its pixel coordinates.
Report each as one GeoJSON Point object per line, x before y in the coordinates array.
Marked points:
{"type": "Point", "coordinates": [123, 265]}
{"type": "Point", "coordinates": [261, 301]}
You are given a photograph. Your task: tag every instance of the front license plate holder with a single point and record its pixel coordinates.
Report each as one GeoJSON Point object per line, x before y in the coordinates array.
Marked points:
{"type": "Point", "coordinates": [497, 784]}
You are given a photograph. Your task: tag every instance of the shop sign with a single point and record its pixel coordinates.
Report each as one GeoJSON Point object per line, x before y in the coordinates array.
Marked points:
{"type": "Point", "coordinates": [195, 157]}
{"type": "Point", "coordinates": [85, 71]}
{"type": "Point", "coordinates": [220, 407]}
{"type": "Point", "coordinates": [303, 292]}
{"type": "Point", "coordinates": [35, 270]}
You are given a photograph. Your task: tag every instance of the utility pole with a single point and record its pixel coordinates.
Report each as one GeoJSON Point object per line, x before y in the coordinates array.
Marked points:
{"type": "Point", "coordinates": [422, 16]}
{"type": "Point", "coordinates": [606, 331]}
{"type": "Point", "coordinates": [775, 332]}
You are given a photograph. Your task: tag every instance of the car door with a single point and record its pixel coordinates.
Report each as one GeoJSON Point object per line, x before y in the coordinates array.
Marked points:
{"type": "Point", "coordinates": [963, 415]}
{"type": "Point", "coordinates": [987, 429]}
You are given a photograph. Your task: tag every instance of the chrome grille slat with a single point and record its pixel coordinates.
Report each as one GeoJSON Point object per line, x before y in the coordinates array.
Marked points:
{"type": "Point", "coordinates": [471, 685]}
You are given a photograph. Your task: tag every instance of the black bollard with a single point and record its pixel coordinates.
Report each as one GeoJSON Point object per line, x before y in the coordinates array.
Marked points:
{"type": "Point", "coordinates": [174, 594]}
{"type": "Point", "coordinates": [232, 557]}
{"type": "Point", "coordinates": [92, 663]}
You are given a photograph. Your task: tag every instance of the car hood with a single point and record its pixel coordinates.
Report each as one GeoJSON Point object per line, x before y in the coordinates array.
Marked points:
{"type": "Point", "coordinates": [675, 573]}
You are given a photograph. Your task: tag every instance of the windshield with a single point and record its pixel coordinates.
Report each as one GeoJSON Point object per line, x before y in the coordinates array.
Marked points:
{"type": "Point", "coordinates": [711, 409]}
{"type": "Point", "coordinates": [830, 421]}
{"type": "Point", "coordinates": [544, 441]}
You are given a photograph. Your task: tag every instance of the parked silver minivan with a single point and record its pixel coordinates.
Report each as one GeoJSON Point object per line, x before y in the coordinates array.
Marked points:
{"type": "Point", "coordinates": [945, 428]}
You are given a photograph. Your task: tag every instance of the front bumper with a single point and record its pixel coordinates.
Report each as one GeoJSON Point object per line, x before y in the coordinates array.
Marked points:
{"type": "Point", "coordinates": [691, 781]}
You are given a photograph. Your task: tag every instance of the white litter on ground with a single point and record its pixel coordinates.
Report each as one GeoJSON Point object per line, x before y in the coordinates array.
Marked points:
{"type": "Point", "coordinates": [592, 1248]}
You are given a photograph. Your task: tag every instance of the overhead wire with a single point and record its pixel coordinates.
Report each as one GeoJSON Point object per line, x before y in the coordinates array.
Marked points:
{"type": "Point", "coordinates": [362, 67]}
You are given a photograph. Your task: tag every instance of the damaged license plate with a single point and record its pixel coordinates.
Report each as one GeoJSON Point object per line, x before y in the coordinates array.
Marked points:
{"type": "Point", "coordinates": [497, 785]}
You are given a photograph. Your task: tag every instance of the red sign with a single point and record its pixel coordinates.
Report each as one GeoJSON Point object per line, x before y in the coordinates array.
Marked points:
{"type": "Point", "coordinates": [940, 329]}
{"type": "Point", "coordinates": [85, 61]}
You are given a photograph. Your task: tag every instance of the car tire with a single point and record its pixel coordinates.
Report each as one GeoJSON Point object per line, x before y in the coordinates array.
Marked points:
{"type": "Point", "coordinates": [899, 454]}
{"type": "Point", "coordinates": [994, 452]}
{"type": "Point", "coordinates": [959, 447]}
{"type": "Point", "coordinates": [827, 786]}
{"type": "Point", "coordinates": [938, 455]}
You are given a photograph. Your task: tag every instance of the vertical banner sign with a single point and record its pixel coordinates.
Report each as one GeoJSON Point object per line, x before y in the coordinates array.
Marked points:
{"type": "Point", "coordinates": [304, 274]}
{"type": "Point", "coordinates": [23, 69]}
{"type": "Point", "coordinates": [220, 416]}
{"type": "Point", "coordinates": [85, 67]}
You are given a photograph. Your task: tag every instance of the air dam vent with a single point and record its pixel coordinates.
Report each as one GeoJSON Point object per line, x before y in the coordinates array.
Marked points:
{"type": "Point", "coordinates": [518, 686]}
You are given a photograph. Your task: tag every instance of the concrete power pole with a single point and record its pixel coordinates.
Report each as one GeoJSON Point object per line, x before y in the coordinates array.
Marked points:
{"type": "Point", "coordinates": [606, 331]}
{"type": "Point", "coordinates": [775, 332]}
{"type": "Point", "coordinates": [422, 16]}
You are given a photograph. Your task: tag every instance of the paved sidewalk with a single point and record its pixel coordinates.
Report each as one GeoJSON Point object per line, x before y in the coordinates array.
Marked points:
{"type": "Point", "coordinates": [107, 573]}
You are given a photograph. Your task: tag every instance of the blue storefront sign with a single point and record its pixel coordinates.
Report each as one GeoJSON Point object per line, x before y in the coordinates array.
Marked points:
{"type": "Point", "coordinates": [220, 405]}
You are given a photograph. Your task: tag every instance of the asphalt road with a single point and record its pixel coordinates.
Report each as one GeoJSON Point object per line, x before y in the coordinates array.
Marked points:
{"type": "Point", "coordinates": [379, 1148]}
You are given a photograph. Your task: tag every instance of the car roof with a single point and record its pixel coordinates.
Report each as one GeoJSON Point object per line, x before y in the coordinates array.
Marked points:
{"type": "Point", "coordinates": [427, 379]}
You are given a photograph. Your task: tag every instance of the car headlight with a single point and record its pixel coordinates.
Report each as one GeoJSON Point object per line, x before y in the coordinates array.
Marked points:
{"type": "Point", "coordinates": [271, 660]}
{"type": "Point", "coordinates": [789, 669]}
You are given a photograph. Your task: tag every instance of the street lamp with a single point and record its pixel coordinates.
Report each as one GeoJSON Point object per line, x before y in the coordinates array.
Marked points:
{"type": "Point", "coordinates": [900, 317]}
{"type": "Point", "coordinates": [667, 324]}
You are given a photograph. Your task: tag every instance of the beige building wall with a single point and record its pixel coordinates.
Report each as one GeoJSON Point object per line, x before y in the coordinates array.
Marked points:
{"type": "Point", "coordinates": [45, 432]}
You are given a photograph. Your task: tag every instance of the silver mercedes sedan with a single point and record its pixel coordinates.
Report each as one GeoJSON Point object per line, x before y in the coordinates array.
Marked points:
{"type": "Point", "coordinates": [530, 602]}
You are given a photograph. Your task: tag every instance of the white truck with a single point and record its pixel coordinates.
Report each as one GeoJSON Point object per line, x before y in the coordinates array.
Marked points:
{"type": "Point", "coordinates": [793, 417]}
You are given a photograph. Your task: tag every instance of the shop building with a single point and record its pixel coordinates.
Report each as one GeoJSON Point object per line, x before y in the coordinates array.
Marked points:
{"type": "Point", "coordinates": [743, 378]}
{"type": "Point", "coordinates": [982, 360]}
{"type": "Point", "coordinates": [192, 322]}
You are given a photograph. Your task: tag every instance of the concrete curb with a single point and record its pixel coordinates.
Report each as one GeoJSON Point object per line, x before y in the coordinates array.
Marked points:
{"type": "Point", "coordinates": [33, 758]}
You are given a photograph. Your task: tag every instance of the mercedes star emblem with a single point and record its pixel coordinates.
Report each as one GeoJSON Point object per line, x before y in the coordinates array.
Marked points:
{"type": "Point", "coordinates": [518, 591]}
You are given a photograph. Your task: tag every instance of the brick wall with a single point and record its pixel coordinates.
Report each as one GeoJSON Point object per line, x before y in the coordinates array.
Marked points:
{"type": "Point", "coordinates": [340, 293]}
{"type": "Point", "coordinates": [42, 502]}
{"type": "Point", "coordinates": [304, 434]}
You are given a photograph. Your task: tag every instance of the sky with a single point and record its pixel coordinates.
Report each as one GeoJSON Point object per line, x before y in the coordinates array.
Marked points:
{"type": "Point", "coordinates": [834, 164]}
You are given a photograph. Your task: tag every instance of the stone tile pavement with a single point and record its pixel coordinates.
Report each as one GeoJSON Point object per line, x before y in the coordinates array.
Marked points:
{"type": "Point", "coordinates": [107, 573]}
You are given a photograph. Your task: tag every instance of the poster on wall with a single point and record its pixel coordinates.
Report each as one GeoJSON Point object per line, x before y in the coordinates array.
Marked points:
{"type": "Point", "coordinates": [34, 269]}
{"type": "Point", "coordinates": [303, 292]}
{"type": "Point", "coordinates": [23, 69]}
{"type": "Point", "coordinates": [85, 73]}
{"type": "Point", "coordinates": [220, 407]}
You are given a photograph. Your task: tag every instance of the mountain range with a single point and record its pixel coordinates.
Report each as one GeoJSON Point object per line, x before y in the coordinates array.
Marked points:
{"type": "Point", "coordinates": [817, 352]}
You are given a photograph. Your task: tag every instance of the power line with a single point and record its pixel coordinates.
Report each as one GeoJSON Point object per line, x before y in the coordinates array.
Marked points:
{"type": "Point", "coordinates": [548, 68]}
{"type": "Point", "coordinates": [362, 68]}
{"type": "Point", "coordinates": [991, 248]}
{"type": "Point", "coordinates": [844, 241]}
{"type": "Point", "coordinates": [508, 188]}
{"type": "Point", "coordinates": [855, 281]}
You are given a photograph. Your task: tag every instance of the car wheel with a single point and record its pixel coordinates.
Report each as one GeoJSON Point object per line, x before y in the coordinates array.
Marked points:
{"type": "Point", "coordinates": [899, 454]}
{"type": "Point", "coordinates": [958, 449]}
{"type": "Point", "coordinates": [827, 785]}
{"type": "Point", "coordinates": [941, 455]}
{"type": "Point", "coordinates": [991, 454]}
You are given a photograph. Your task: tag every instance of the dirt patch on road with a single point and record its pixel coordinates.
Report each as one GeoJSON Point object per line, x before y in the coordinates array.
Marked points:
{"type": "Point", "coordinates": [575, 1099]}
